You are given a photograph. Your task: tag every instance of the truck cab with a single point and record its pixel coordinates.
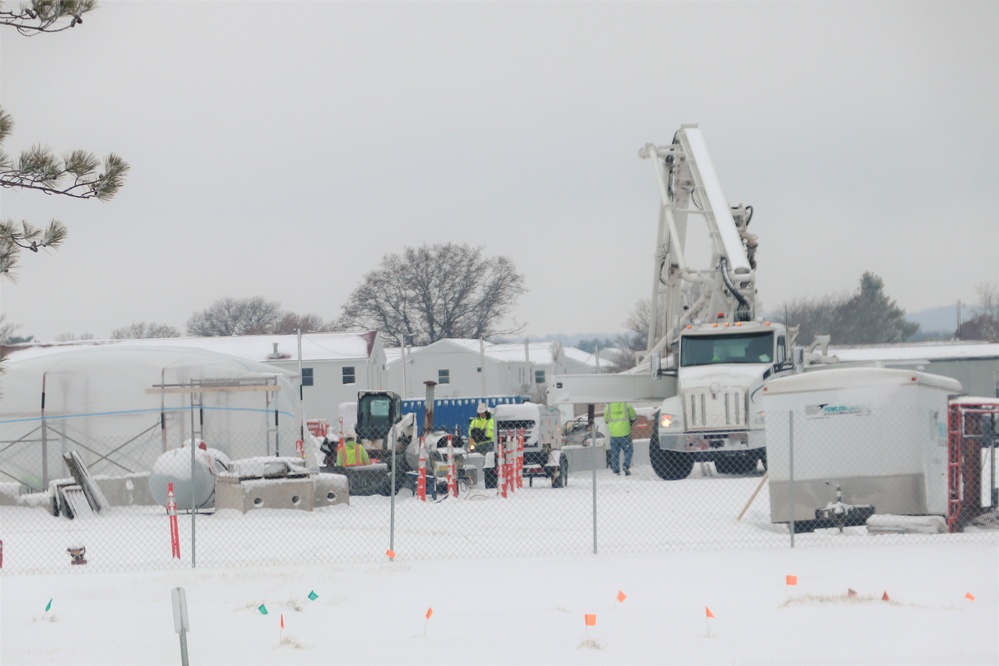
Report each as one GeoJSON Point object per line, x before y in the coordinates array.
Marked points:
{"type": "Point", "coordinates": [717, 414]}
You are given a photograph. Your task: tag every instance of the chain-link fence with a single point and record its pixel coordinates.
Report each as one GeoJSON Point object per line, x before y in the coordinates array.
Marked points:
{"type": "Point", "coordinates": [839, 479]}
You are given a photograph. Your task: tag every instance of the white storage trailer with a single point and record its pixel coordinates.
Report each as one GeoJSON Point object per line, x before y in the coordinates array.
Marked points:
{"type": "Point", "coordinates": [880, 434]}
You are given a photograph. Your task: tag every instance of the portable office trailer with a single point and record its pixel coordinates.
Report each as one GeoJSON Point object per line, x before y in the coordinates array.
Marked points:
{"type": "Point", "coordinates": [880, 434]}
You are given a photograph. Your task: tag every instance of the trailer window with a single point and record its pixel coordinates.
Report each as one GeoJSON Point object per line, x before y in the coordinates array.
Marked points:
{"type": "Point", "coordinates": [444, 376]}
{"type": "Point", "coordinates": [539, 376]}
{"type": "Point", "coordinates": [306, 376]}
{"type": "Point", "coordinates": [348, 375]}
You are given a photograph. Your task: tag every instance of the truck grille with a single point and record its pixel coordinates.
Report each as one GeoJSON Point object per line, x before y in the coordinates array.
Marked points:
{"type": "Point", "coordinates": [703, 410]}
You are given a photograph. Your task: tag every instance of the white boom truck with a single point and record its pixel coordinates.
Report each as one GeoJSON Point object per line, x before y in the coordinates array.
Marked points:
{"type": "Point", "coordinates": [720, 353]}
{"type": "Point", "coordinates": [709, 354]}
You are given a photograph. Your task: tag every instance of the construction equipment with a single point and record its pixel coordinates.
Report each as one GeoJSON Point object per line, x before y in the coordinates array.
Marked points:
{"type": "Point", "coordinates": [708, 352]}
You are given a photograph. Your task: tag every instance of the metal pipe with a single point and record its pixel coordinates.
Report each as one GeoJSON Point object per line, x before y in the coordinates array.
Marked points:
{"type": "Point", "coordinates": [428, 412]}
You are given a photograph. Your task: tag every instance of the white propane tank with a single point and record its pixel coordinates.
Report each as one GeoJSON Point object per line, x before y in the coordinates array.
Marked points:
{"type": "Point", "coordinates": [174, 467]}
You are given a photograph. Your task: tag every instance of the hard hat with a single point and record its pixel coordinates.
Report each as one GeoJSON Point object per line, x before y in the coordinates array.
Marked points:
{"type": "Point", "coordinates": [482, 407]}
{"type": "Point", "coordinates": [330, 433]}
{"type": "Point", "coordinates": [350, 434]}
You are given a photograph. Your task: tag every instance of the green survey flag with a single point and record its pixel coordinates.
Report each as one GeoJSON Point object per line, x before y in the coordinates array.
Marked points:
{"type": "Point", "coordinates": [313, 596]}
{"type": "Point", "coordinates": [48, 606]}
{"type": "Point", "coordinates": [263, 609]}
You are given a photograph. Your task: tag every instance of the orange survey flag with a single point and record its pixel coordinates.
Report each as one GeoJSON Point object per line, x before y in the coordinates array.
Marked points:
{"type": "Point", "coordinates": [591, 620]}
{"type": "Point", "coordinates": [707, 612]}
{"type": "Point", "coordinates": [791, 580]}
{"type": "Point", "coordinates": [969, 596]}
{"type": "Point", "coordinates": [430, 611]}
{"type": "Point", "coordinates": [282, 620]}
{"type": "Point", "coordinates": [621, 596]}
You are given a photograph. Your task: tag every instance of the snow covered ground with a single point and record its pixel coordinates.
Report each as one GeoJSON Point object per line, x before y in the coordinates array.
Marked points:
{"type": "Point", "coordinates": [650, 587]}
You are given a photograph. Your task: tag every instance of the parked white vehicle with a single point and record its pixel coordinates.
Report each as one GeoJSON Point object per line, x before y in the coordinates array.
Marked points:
{"type": "Point", "coordinates": [542, 441]}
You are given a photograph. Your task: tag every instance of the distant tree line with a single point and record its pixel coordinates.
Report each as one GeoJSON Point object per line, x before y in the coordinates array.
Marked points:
{"type": "Point", "coordinates": [868, 316]}
{"type": "Point", "coordinates": [423, 295]}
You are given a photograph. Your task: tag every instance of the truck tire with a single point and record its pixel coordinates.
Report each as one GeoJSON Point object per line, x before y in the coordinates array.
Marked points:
{"type": "Point", "coordinates": [562, 480]}
{"type": "Point", "coordinates": [668, 465]}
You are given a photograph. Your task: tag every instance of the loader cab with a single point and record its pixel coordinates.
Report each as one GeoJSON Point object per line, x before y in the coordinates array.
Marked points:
{"type": "Point", "coordinates": [377, 412]}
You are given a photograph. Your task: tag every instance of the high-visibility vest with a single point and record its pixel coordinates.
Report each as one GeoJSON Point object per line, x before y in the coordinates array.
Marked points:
{"type": "Point", "coordinates": [619, 416]}
{"type": "Point", "coordinates": [351, 455]}
{"type": "Point", "coordinates": [487, 425]}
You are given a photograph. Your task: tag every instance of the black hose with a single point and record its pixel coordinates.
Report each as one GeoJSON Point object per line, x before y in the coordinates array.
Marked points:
{"type": "Point", "coordinates": [742, 311]}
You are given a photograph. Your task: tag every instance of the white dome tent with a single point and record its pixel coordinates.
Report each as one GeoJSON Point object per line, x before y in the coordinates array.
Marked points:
{"type": "Point", "coordinates": [123, 407]}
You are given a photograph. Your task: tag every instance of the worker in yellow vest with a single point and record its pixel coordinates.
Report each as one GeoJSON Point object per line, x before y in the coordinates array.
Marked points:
{"type": "Point", "coordinates": [620, 416]}
{"type": "Point", "coordinates": [352, 453]}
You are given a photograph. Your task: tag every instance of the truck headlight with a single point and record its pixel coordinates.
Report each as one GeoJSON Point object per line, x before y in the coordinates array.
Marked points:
{"type": "Point", "coordinates": [761, 418]}
{"type": "Point", "coordinates": [666, 420]}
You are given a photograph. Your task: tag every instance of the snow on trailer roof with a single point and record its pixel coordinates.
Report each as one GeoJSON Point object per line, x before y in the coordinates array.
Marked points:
{"type": "Point", "coordinates": [846, 378]}
{"type": "Point", "coordinates": [972, 401]}
{"type": "Point", "coordinates": [539, 353]}
{"type": "Point", "coordinates": [928, 351]}
{"type": "Point", "coordinates": [262, 348]}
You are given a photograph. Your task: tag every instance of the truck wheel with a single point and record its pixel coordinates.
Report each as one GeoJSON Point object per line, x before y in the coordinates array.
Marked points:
{"type": "Point", "coordinates": [670, 465]}
{"type": "Point", "coordinates": [562, 480]}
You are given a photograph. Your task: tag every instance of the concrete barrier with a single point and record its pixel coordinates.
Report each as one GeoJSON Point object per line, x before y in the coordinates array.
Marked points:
{"type": "Point", "coordinates": [232, 492]}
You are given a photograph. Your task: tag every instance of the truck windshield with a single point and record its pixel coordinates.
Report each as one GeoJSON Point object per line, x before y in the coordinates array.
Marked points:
{"type": "Point", "coordinates": [735, 348]}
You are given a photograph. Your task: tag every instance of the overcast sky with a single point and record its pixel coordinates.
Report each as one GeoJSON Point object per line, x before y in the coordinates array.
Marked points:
{"type": "Point", "coordinates": [281, 149]}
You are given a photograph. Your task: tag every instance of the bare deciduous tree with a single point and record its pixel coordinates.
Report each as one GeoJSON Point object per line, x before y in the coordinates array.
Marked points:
{"type": "Point", "coordinates": [73, 337]}
{"type": "Point", "coordinates": [435, 292]}
{"type": "Point", "coordinates": [235, 316]}
{"type": "Point", "coordinates": [812, 316]}
{"type": "Point", "coordinates": [7, 329]}
{"type": "Point", "coordinates": [635, 339]}
{"type": "Point", "coordinates": [292, 323]}
{"type": "Point", "coordinates": [144, 331]}
{"type": "Point", "coordinates": [984, 324]}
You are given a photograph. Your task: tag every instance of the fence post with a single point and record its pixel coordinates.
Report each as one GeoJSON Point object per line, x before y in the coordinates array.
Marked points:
{"type": "Point", "coordinates": [790, 439]}
{"type": "Point", "coordinates": [593, 454]}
